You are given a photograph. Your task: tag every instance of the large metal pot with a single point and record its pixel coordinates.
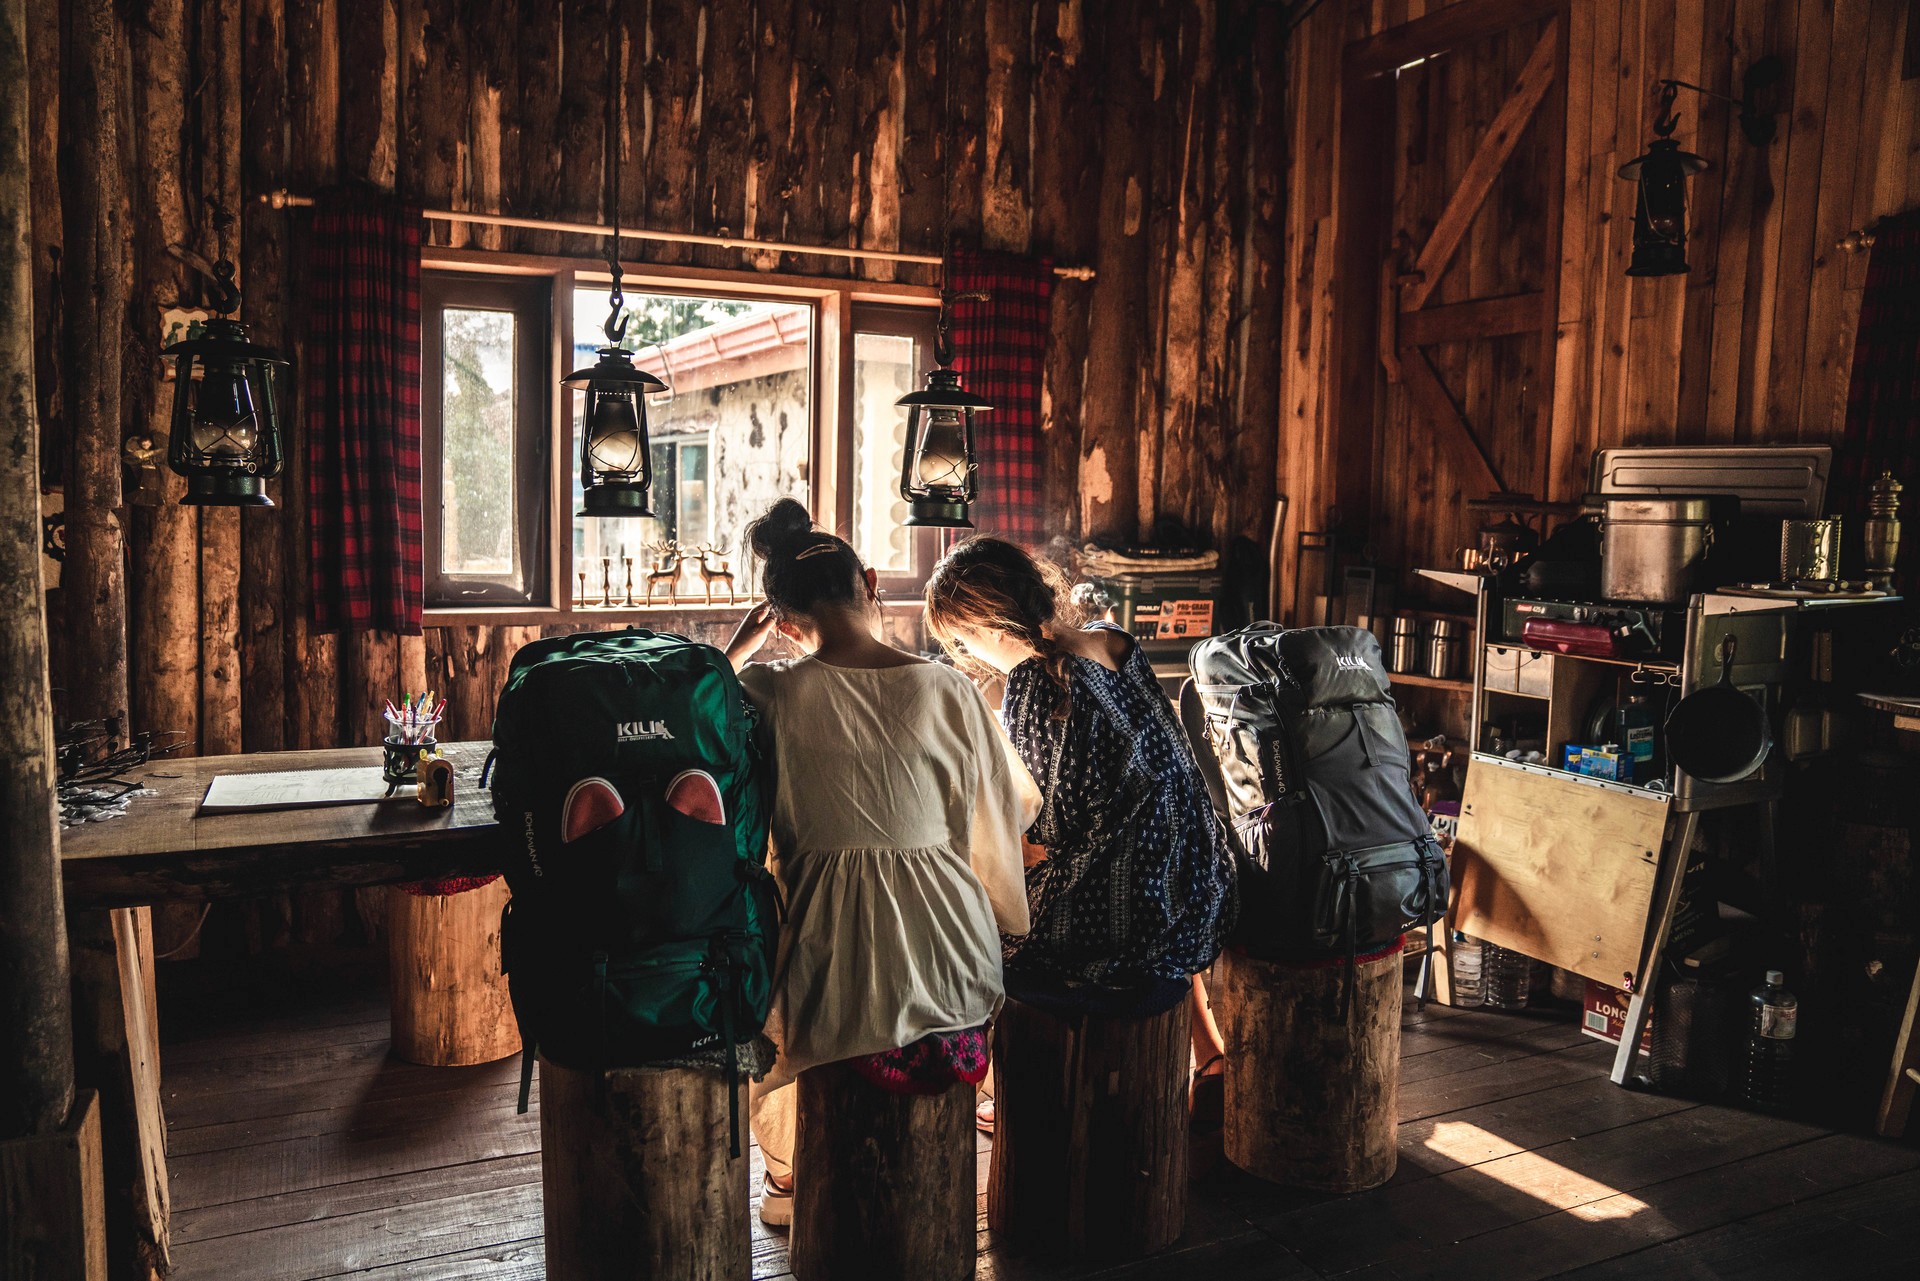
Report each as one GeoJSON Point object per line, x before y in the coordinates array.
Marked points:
{"type": "Point", "coordinates": [1719, 733]}
{"type": "Point", "coordinates": [1654, 549]}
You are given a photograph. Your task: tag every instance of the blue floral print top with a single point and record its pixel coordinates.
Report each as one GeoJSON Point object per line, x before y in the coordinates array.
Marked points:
{"type": "Point", "coordinates": [1138, 882]}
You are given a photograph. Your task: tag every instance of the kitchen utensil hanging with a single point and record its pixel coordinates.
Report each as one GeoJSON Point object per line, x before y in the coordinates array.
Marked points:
{"type": "Point", "coordinates": [1719, 733]}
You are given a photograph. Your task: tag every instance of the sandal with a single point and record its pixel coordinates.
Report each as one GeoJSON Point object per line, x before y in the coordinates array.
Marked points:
{"type": "Point", "coordinates": [776, 1205]}
{"type": "Point", "coordinates": [983, 1114]}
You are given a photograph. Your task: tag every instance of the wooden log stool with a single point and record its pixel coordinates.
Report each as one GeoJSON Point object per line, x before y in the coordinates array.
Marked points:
{"type": "Point", "coordinates": [884, 1185]}
{"type": "Point", "coordinates": [635, 1176]}
{"type": "Point", "coordinates": [449, 1002]}
{"type": "Point", "coordinates": [1090, 1132]}
{"type": "Point", "coordinates": [1313, 1085]}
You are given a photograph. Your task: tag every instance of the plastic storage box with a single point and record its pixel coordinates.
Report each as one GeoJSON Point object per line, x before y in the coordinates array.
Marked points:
{"type": "Point", "coordinates": [1166, 613]}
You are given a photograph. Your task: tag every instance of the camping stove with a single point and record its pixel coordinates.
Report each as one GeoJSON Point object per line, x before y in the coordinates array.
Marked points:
{"type": "Point", "coordinates": [1596, 629]}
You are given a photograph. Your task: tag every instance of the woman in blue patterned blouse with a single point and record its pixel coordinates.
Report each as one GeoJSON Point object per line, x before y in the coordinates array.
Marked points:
{"type": "Point", "coordinates": [1130, 882]}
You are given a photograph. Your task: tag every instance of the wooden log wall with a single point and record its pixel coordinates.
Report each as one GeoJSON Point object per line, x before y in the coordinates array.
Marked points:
{"type": "Point", "coordinates": [1138, 137]}
{"type": "Point", "coordinates": [1754, 345]}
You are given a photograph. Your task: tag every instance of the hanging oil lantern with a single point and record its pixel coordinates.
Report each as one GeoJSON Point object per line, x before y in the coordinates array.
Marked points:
{"type": "Point", "coordinates": [225, 434]}
{"type": "Point", "coordinates": [938, 469]}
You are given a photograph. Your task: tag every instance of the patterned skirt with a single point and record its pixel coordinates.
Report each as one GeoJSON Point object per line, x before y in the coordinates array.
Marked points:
{"type": "Point", "coordinates": [933, 1064]}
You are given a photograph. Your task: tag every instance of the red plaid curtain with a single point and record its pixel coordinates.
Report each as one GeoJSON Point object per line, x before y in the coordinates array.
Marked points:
{"type": "Point", "coordinates": [363, 413]}
{"type": "Point", "coordinates": [1883, 397]}
{"type": "Point", "coordinates": [1000, 349]}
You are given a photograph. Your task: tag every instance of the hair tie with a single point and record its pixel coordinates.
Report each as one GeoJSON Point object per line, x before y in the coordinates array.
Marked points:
{"type": "Point", "coordinates": [816, 550]}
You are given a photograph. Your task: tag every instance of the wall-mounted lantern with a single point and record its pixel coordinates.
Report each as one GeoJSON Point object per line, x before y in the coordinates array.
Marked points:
{"type": "Point", "coordinates": [1660, 210]}
{"type": "Point", "coordinates": [225, 433]}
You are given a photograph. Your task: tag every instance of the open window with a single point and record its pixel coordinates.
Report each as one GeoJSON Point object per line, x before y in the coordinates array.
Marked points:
{"type": "Point", "coordinates": [484, 407]}
{"type": "Point", "coordinates": [732, 432]}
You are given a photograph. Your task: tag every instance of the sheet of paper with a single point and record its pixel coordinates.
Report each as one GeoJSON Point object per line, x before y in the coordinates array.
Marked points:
{"type": "Point", "coordinates": [295, 789]}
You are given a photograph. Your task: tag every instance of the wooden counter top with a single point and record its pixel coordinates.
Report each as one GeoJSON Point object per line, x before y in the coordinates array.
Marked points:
{"type": "Point", "coordinates": [164, 849]}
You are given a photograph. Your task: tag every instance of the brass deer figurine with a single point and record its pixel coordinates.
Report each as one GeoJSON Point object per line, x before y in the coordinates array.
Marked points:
{"type": "Point", "coordinates": [709, 576]}
{"type": "Point", "coordinates": [667, 559]}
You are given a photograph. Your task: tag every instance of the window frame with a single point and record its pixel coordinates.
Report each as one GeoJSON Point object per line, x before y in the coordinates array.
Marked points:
{"type": "Point", "coordinates": [922, 325]}
{"type": "Point", "coordinates": [529, 300]}
{"type": "Point", "coordinates": [834, 302]}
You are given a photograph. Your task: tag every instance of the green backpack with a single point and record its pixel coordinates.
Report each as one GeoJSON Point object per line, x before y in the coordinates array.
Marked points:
{"type": "Point", "coordinates": [640, 928]}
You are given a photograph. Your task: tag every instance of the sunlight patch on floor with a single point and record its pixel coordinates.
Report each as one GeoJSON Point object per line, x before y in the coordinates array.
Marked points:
{"type": "Point", "coordinates": [1531, 1173]}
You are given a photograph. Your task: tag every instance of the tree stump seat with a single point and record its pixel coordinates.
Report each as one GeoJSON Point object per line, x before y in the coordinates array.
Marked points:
{"type": "Point", "coordinates": [1313, 1085]}
{"type": "Point", "coordinates": [884, 1185]}
{"type": "Point", "coordinates": [1090, 1132]}
{"type": "Point", "coordinates": [449, 1001]}
{"type": "Point", "coordinates": [636, 1180]}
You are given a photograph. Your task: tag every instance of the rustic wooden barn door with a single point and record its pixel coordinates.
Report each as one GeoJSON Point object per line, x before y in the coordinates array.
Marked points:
{"type": "Point", "coordinates": [1451, 156]}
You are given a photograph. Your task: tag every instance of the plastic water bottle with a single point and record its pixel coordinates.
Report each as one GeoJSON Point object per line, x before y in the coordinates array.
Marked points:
{"type": "Point", "coordinates": [1465, 954]}
{"type": "Point", "coordinates": [1767, 1082]}
{"type": "Point", "coordinates": [1506, 978]}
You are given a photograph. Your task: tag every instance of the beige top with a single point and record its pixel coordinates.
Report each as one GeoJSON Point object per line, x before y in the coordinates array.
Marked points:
{"type": "Point", "coordinates": [897, 817]}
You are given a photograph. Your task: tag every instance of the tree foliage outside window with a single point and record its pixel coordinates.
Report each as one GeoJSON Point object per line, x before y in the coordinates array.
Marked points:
{"type": "Point", "coordinates": [478, 436]}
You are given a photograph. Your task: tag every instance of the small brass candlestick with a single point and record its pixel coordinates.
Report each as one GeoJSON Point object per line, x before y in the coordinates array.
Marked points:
{"type": "Point", "coordinates": [1881, 533]}
{"type": "Point", "coordinates": [583, 588]}
{"type": "Point", "coordinates": [606, 581]}
{"type": "Point", "coordinates": [629, 561]}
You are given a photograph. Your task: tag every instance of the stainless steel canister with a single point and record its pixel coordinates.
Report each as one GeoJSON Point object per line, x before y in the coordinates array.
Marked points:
{"type": "Point", "coordinates": [1446, 645]}
{"type": "Point", "coordinates": [1654, 549]}
{"type": "Point", "coordinates": [1403, 645]}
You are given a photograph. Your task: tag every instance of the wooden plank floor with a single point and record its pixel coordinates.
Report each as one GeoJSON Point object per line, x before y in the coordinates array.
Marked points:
{"type": "Point", "coordinates": [299, 1150]}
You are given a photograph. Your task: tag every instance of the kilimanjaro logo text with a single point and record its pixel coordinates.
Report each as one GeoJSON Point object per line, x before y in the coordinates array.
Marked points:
{"type": "Point", "coordinates": [640, 731]}
{"type": "Point", "coordinates": [1349, 664]}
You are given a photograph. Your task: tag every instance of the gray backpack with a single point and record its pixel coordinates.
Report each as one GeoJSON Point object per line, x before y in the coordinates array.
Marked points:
{"type": "Point", "coordinates": [1297, 735]}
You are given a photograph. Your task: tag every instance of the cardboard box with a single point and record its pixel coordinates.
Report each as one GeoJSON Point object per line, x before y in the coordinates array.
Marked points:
{"type": "Point", "coordinates": [1603, 1015]}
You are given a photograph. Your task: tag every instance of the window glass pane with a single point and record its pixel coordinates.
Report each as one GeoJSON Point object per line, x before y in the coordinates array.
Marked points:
{"type": "Point", "coordinates": [883, 368]}
{"type": "Point", "coordinates": [478, 521]}
{"type": "Point", "coordinates": [732, 433]}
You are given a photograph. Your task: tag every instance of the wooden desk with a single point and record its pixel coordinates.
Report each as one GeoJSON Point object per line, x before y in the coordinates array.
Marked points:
{"type": "Point", "coordinates": [165, 850]}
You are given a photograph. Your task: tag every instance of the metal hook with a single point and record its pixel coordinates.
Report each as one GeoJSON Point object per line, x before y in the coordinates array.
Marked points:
{"type": "Point", "coordinates": [616, 333]}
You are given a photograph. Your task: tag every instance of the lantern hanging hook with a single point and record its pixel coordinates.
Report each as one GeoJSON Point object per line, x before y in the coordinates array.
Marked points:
{"type": "Point", "coordinates": [1667, 121]}
{"type": "Point", "coordinates": [226, 295]}
{"type": "Point", "coordinates": [943, 327]}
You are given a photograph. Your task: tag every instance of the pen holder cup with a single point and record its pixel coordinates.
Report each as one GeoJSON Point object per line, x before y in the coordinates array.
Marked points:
{"type": "Point", "coordinates": [401, 761]}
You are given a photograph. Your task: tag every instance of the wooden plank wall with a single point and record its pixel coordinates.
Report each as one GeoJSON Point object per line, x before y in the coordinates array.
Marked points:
{"type": "Point", "coordinates": [1753, 345]}
{"type": "Point", "coordinates": [1139, 137]}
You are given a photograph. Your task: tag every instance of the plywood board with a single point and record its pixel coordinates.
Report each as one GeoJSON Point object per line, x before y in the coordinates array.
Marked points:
{"type": "Point", "coordinates": [1558, 869]}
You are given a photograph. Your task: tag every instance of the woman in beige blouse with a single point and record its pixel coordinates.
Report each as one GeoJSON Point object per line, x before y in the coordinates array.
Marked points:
{"type": "Point", "coordinates": [897, 820]}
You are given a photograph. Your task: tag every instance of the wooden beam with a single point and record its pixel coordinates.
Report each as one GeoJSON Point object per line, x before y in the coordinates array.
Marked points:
{"type": "Point", "coordinates": [1362, 200]}
{"type": "Point", "coordinates": [1434, 403]}
{"type": "Point", "coordinates": [116, 1042]}
{"type": "Point", "coordinates": [93, 580]}
{"type": "Point", "coordinates": [1467, 321]}
{"type": "Point", "coordinates": [54, 1190]}
{"type": "Point", "coordinates": [1488, 157]}
{"type": "Point", "coordinates": [36, 1066]}
{"type": "Point", "coordinates": [1438, 32]}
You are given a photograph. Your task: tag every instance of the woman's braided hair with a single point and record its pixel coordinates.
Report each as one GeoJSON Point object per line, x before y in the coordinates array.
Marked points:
{"type": "Point", "coordinates": [989, 584]}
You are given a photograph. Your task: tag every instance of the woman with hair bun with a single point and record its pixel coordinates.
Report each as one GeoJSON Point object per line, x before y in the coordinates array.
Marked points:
{"type": "Point", "coordinates": [898, 807]}
{"type": "Point", "coordinates": [1130, 882]}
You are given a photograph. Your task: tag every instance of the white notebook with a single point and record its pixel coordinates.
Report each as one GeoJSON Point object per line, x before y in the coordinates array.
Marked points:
{"type": "Point", "coordinates": [296, 789]}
